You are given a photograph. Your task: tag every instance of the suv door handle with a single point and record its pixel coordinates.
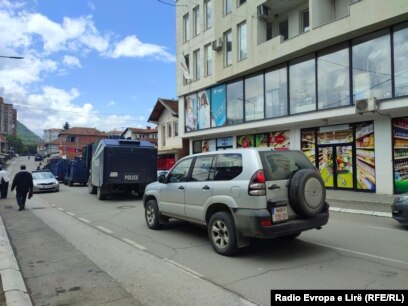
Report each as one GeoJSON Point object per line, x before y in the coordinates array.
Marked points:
{"type": "Point", "coordinates": [274, 186]}
{"type": "Point", "coordinates": [181, 188]}
{"type": "Point", "coordinates": [206, 187]}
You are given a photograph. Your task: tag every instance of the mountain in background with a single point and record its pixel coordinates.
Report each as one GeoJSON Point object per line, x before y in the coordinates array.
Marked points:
{"type": "Point", "coordinates": [26, 135]}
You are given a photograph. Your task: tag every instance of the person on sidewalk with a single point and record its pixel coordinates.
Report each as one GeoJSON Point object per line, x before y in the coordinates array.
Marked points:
{"type": "Point", "coordinates": [4, 182]}
{"type": "Point", "coordinates": [23, 183]}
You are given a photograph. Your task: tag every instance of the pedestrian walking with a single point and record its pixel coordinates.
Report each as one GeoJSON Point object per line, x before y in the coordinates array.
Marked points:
{"type": "Point", "coordinates": [4, 182]}
{"type": "Point", "coordinates": [23, 183]}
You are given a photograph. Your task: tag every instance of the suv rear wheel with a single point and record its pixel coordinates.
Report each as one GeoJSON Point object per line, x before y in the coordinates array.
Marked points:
{"type": "Point", "coordinates": [307, 193]}
{"type": "Point", "coordinates": [221, 231]}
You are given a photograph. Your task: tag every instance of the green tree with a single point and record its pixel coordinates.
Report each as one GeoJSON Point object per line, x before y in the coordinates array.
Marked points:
{"type": "Point", "coordinates": [15, 144]}
{"type": "Point", "coordinates": [66, 126]}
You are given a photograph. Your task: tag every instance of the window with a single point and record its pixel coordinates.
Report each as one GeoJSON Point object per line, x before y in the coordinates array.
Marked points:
{"type": "Point", "coordinates": [235, 102]}
{"type": "Point", "coordinates": [186, 69]}
{"type": "Point", "coordinates": [401, 60]}
{"type": "Point", "coordinates": [228, 48]}
{"type": "Point", "coordinates": [175, 123]}
{"type": "Point", "coordinates": [186, 28]}
{"type": "Point", "coordinates": [163, 135]}
{"type": "Point", "coordinates": [227, 167]}
{"type": "Point", "coordinates": [241, 2]}
{"type": "Point", "coordinates": [70, 139]}
{"type": "Point", "coordinates": [242, 41]}
{"type": "Point", "coordinates": [284, 29]}
{"type": "Point", "coordinates": [196, 59]}
{"type": "Point", "coordinates": [208, 60]}
{"type": "Point", "coordinates": [180, 172]}
{"type": "Point", "coordinates": [276, 93]}
{"type": "Point", "coordinates": [227, 7]}
{"type": "Point", "coordinates": [208, 14]}
{"type": "Point", "coordinates": [304, 21]}
{"type": "Point", "coordinates": [372, 66]}
{"type": "Point", "coordinates": [254, 98]}
{"type": "Point", "coordinates": [202, 169]}
{"type": "Point", "coordinates": [169, 131]}
{"type": "Point", "coordinates": [333, 78]}
{"type": "Point", "coordinates": [302, 86]}
{"type": "Point", "coordinates": [196, 17]}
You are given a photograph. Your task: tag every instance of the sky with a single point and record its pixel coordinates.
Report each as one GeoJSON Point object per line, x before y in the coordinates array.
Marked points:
{"type": "Point", "coordinates": [91, 63]}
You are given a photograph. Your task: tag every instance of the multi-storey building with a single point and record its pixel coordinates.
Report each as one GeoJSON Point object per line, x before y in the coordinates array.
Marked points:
{"type": "Point", "coordinates": [329, 77]}
{"type": "Point", "coordinates": [8, 118]}
{"type": "Point", "coordinates": [51, 134]}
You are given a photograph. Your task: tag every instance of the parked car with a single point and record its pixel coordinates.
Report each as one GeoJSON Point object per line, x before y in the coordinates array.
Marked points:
{"type": "Point", "coordinates": [76, 173]}
{"type": "Point", "coordinates": [44, 180]}
{"type": "Point", "coordinates": [38, 158]}
{"type": "Point", "coordinates": [399, 208]}
{"type": "Point", "coordinates": [240, 194]}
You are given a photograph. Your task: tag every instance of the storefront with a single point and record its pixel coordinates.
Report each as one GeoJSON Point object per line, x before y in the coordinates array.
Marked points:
{"type": "Point", "coordinates": [345, 155]}
{"type": "Point", "coordinates": [400, 152]}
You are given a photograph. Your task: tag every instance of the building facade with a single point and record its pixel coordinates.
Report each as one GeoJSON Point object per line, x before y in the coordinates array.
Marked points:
{"type": "Point", "coordinates": [51, 134]}
{"type": "Point", "coordinates": [326, 77]}
{"type": "Point", "coordinates": [147, 134]}
{"type": "Point", "coordinates": [165, 116]}
{"type": "Point", "coordinates": [8, 118]}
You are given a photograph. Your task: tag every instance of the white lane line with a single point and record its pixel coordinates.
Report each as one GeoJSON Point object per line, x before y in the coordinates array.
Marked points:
{"type": "Point", "coordinates": [61, 209]}
{"type": "Point", "coordinates": [359, 253]}
{"type": "Point", "coordinates": [105, 229]}
{"type": "Point", "coordinates": [71, 214]}
{"type": "Point", "coordinates": [136, 245]}
{"type": "Point", "coordinates": [84, 220]}
{"type": "Point", "coordinates": [184, 268]}
{"type": "Point", "coordinates": [52, 205]}
{"type": "Point", "coordinates": [386, 229]}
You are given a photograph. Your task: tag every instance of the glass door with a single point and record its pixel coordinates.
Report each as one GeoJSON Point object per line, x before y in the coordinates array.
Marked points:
{"type": "Point", "coordinates": [326, 165]}
{"type": "Point", "coordinates": [344, 167]}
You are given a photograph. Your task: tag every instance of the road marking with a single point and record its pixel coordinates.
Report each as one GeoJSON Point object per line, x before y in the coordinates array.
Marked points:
{"type": "Point", "coordinates": [84, 220]}
{"type": "Point", "coordinates": [71, 214]}
{"type": "Point", "coordinates": [384, 228]}
{"type": "Point", "coordinates": [105, 229]}
{"type": "Point", "coordinates": [358, 253]}
{"type": "Point", "coordinates": [184, 268]}
{"type": "Point", "coordinates": [61, 209]}
{"type": "Point", "coordinates": [52, 205]}
{"type": "Point", "coordinates": [136, 245]}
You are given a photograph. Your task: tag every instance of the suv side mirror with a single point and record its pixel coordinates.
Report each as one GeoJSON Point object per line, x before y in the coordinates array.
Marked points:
{"type": "Point", "coordinates": [162, 178]}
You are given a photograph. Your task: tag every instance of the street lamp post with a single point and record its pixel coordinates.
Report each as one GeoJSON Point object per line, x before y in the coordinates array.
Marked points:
{"type": "Point", "coordinates": [12, 57]}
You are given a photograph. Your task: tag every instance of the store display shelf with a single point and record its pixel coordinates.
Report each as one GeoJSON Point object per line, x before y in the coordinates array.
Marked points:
{"type": "Point", "coordinates": [401, 127]}
{"type": "Point", "coordinates": [366, 148]}
{"type": "Point", "coordinates": [400, 157]}
{"type": "Point", "coordinates": [401, 167]}
{"type": "Point", "coordinates": [366, 161]}
{"type": "Point", "coordinates": [401, 148]}
{"type": "Point", "coordinates": [400, 137]}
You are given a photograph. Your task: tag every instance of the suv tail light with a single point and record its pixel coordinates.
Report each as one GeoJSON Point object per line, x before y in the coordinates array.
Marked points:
{"type": "Point", "coordinates": [257, 185]}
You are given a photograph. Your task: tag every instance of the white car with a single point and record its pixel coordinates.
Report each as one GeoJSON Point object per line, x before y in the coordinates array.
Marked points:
{"type": "Point", "coordinates": [44, 181]}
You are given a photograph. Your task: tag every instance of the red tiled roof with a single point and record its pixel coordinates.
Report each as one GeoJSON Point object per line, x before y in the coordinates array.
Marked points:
{"type": "Point", "coordinates": [83, 131]}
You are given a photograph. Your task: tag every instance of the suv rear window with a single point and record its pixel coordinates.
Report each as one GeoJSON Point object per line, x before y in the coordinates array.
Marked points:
{"type": "Point", "coordinates": [278, 165]}
{"type": "Point", "coordinates": [227, 166]}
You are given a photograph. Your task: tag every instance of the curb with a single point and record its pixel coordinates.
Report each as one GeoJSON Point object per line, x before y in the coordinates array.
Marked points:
{"type": "Point", "coordinates": [13, 284]}
{"type": "Point", "coordinates": [361, 212]}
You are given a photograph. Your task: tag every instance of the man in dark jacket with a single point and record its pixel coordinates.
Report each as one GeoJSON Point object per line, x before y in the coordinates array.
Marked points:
{"type": "Point", "coordinates": [23, 183]}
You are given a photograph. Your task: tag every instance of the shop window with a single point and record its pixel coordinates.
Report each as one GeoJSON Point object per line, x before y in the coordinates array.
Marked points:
{"type": "Point", "coordinates": [302, 86]}
{"type": "Point", "coordinates": [191, 113]}
{"type": "Point", "coordinates": [401, 60]}
{"type": "Point", "coordinates": [372, 66]}
{"type": "Point", "coordinates": [400, 141]}
{"type": "Point", "coordinates": [333, 79]}
{"type": "Point", "coordinates": [203, 111]}
{"type": "Point", "coordinates": [254, 98]}
{"type": "Point", "coordinates": [276, 93]}
{"type": "Point", "coordinates": [235, 102]}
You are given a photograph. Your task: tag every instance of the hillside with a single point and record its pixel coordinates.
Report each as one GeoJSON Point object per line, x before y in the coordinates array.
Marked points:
{"type": "Point", "coordinates": [26, 135]}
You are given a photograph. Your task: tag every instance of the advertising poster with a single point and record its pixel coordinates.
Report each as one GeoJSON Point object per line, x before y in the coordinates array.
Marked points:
{"type": "Point", "coordinates": [208, 145]}
{"type": "Point", "coordinates": [191, 113]}
{"type": "Point", "coordinates": [245, 141]}
{"type": "Point", "coordinates": [365, 156]}
{"type": "Point", "coordinates": [225, 142]}
{"type": "Point", "coordinates": [203, 118]}
{"type": "Point", "coordinates": [400, 141]}
{"type": "Point", "coordinates": [218, 106]}
{"type": "Point", "coordinates": [279, 140]}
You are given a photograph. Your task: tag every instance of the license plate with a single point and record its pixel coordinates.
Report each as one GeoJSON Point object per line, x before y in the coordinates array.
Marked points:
{"type": "Point", "coordinates": [279, 214]}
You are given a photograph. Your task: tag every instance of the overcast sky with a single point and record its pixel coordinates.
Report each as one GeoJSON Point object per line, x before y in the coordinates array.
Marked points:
{"type": "Point", "coordinates": [96, 63]}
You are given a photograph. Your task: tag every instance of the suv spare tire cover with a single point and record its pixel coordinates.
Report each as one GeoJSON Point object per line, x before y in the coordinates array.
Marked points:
{"type": "Point", "coordinates": [307, 193]}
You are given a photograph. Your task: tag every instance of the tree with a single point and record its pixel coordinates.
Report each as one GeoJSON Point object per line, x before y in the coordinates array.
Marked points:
{"type": "Point", "coordinates": [15, 144]}
{"type": "Point", "coordinates": [66, 126]}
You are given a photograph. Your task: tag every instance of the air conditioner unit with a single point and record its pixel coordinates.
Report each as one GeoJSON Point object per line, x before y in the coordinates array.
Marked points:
{"type": "Point", "coordinates": [217, 44]}
{"type": "Point", "coordinates": [366, 105]}
{"type": "Point", "coordinates": [262, 11]}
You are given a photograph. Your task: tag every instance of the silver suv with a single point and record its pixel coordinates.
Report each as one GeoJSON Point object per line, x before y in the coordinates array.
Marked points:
{"type": "Point", "coordinates": [239, 194]}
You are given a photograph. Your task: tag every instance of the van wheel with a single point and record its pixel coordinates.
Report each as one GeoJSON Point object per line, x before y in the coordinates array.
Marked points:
{"type": "Point", "coordinates": [221, 231]}
{"type": "Point", "coordinates": [152, 215]}
{"type": "Point", "coordinates": [307, 193]}
{"type": "Point", "coordinates": [70, 183]}
{"type": "Point", "coordinates": [100, 194]}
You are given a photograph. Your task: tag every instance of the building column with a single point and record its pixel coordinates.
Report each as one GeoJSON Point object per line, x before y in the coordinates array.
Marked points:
{"type": "Point", "coordinates": [383, 155]}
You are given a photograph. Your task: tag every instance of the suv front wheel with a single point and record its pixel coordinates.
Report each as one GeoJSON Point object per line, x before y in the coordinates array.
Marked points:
{"type": "Point", "coordinates": [221, 231]}
{"type": "Point", "coordinates": [152, 215]}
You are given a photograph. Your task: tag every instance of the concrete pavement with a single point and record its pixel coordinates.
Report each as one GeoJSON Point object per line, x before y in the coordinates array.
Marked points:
{"type": "Point", "coordinates": [14, 288]}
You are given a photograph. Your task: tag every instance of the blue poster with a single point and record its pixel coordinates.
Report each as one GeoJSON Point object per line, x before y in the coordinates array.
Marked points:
{"type": "Point", "coordinates": [218, 106]}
